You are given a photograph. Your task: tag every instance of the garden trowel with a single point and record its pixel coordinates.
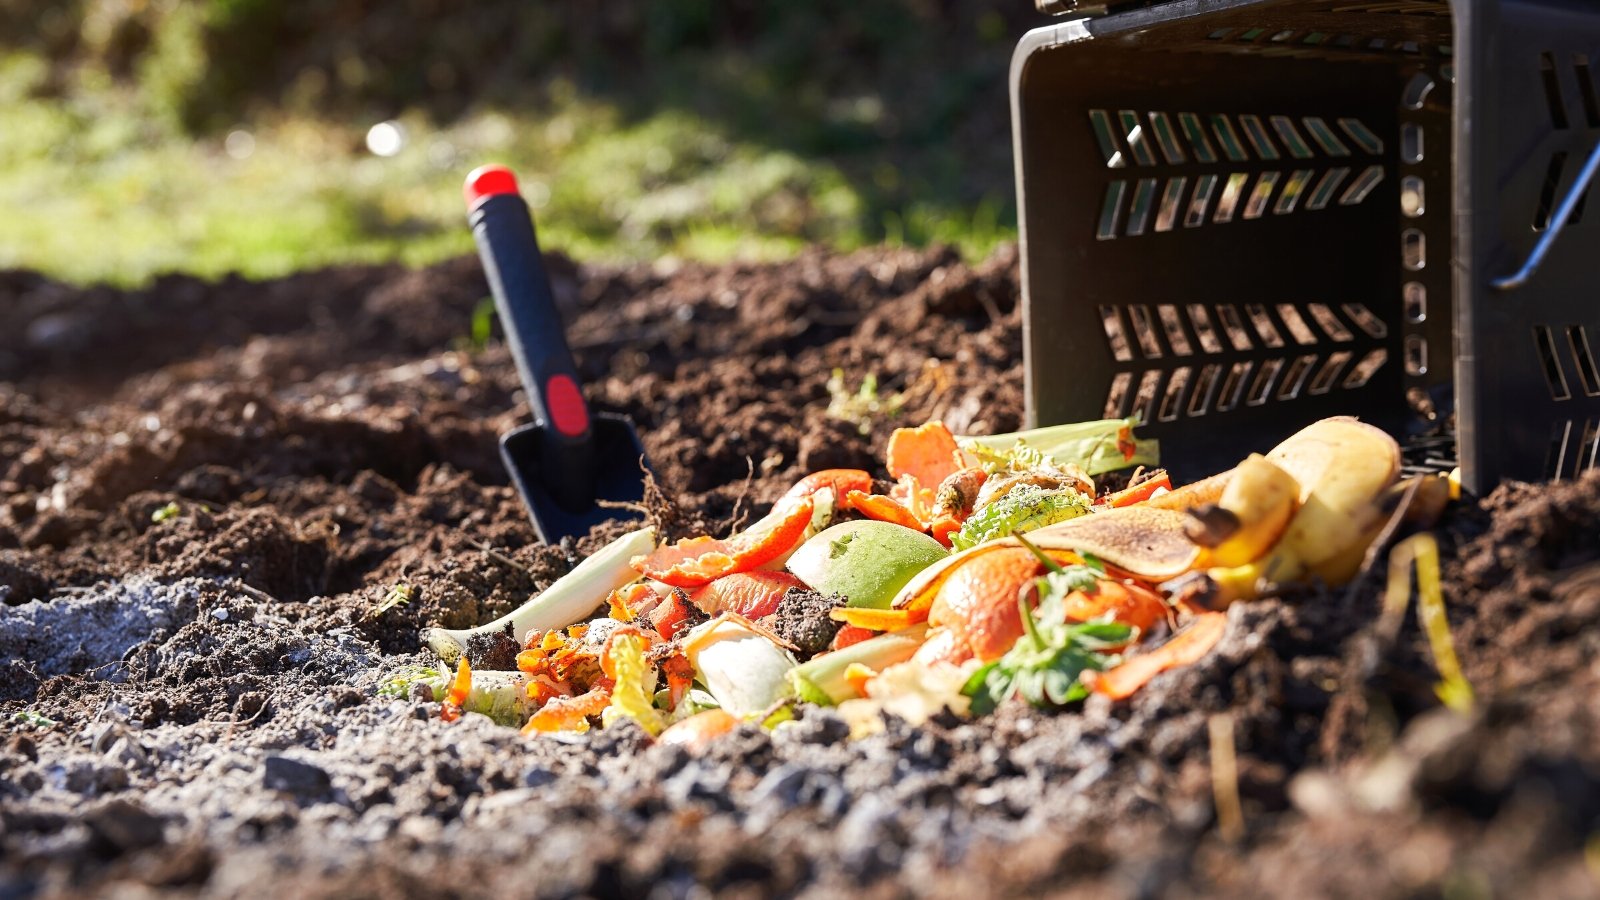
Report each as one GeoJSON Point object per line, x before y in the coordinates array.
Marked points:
{"type": "Point", "coordinates": [568, 461]}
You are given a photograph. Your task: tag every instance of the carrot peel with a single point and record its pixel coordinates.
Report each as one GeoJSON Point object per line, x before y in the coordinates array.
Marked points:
{"type": "Point", "coordinates": [878, 619]}
{"type": "Point", "coordinates": [884, 509]}
{"type": "Point", "coordinates": [1187, 647]}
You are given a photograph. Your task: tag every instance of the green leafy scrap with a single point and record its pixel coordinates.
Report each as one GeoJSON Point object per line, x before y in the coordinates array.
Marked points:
{"type": "Point", "coordinates": [1019, 457]}
{"type": "Point", "coordinates": [1023, 508]}
{"type": "Point", "coordinates": [171, 511]}
{"type": "Point", "coordinates": [399, 683]}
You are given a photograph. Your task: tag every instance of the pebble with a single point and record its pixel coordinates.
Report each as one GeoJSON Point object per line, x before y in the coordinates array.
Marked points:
{"type": "Point", "coordinates": [303, 779]}
{"type": "Point", "coordinates": [128, 753]}
{"type": "Point", "coordinates": [123, 825]}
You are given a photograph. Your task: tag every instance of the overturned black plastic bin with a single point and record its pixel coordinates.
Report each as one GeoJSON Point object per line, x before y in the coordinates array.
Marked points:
{"type": "Point", "coordinates": [1239, 216]}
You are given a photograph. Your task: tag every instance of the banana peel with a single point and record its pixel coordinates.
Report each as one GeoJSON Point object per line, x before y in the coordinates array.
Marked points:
{"type": "Point", "coordinates": [1344, 469]}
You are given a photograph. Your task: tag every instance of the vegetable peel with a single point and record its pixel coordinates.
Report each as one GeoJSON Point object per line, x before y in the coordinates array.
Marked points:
{"type": "Point", "coordinates": [698, 561]}
{"type": "Point", "coordinates": [1188, 646]}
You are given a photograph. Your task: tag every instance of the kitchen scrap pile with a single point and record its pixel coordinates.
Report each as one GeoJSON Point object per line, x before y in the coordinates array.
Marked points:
{"type": "Point", "coordinates": [926, 597]}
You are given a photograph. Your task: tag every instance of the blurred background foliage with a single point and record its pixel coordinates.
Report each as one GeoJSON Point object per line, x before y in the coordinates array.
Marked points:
{"type": "Point", "coordinates": [238, 135]}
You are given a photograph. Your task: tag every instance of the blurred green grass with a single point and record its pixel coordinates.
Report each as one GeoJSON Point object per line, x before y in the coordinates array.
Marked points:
{"type": "Point", "coordinates": [712, 146]}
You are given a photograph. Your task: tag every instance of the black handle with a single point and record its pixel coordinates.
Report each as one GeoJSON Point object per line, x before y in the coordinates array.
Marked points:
{"type": "Point", "coordinates": [503, 228]}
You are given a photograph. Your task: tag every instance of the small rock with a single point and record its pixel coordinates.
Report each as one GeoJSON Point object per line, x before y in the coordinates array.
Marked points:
{"type": "Point", "coordinates": [537, 776]}
{"type": "Point", "coordinates": [221, 615]}
{"type": "Point", "coordinates": [122, 825]}
{"type": "Point", "coordinates": [818, 726]}
{"type": "Point", "coordinates": [780, 788]}
{"type": "Point", "coordinates": [280, 773]}
{"type": "Point", "coordinates": [128, 753]}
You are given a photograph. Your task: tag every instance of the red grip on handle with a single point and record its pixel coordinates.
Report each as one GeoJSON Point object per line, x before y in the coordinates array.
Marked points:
{"type": "Point", "coordinates": [568, 413]}
{"type": "Point", "coordinates": [487, 181]}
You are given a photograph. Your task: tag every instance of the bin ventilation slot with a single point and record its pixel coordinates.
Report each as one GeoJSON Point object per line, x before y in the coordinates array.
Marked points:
{"type": "Point", "coordinates": [1172, 398]}
{"type": "Point", "coordinates": [1325, 137]}
{"type": "Point", "coordinates": [1412, 148]}
{"type": "Point", "coordinates": [1265, 185]}
{"type": "Point", "coordinates": [1145, 400]}
{"type": "Point", "coordinates": [1297, 146]}
{"type": "Point", "coordinates": [1138, 140]}
{"type": "Point", "coordinates": [1259, 140]}
{"type": "Point", "coordinates": [1234, 326]}
{"type": "Point", "coordinates": [1414, 249]}
{"type": "Point", "coordinates": [1205, 388]}
{"type": "Point", "coordinates": [1417, 91]}
{"type": "Point", "coordinates": [1545, 345]}
{"type": "Point", "coordinates": [1293, 190]}
{"type": "Point", "coordinates": [1196, 133]}
{"type": "Point", "coordinates": [1578, 339]}
{"type": "Point", "coordinates": [1200, 203]}
{"type": "Point", "coordinates": [1167, 139]}
{"type": "Point", "coordinates": [1298, 329]}
{"type": "Point", "coordinates": [1233, 386]}
{"type": "Point", "coordinates": [1547, 195]}
{"type": "Point", "coordinates": [1323, 193]}
{"type": "Point", "coordinates": [1144, 199]}
{"type": "Point", "coordinates": [1294, 380]}
{"type": "Point", "coordinates": [1266, 377]}
{"type": "Point", "coordinates": [1363, 186]}
{"type": "Point", "coordinates": [1552, 91]}
{"type": "Point", "coordinates": [1366, 320]}
{"type": "Point", "coordinates": [1116, 336]}
{"type": "Point", "coordinates": [1228, 204]}
{"type": "Point", "coordinates": [1574, 449]}
{"type": "Point", "coordinates": [1171, 201]}
{"type": "Point", "coordinates": [1109, 149]}
{"type": "Point", "coordinates": [1263, 325]}
{"type": "Point", "coordinates": [1416, 354]}
{"type": "Point", "coordinates": [1118, 396]}
{"type": "Point", "coordinates": [1203, 329]}
{"type": "Point", "coordinates": [1413, 196]}
{"type": "Point", "coordinates": [1329, 321]}
{"type": "Point", "coordinates": [1172, 324]}
{"type": "Point", "coordinates": [1591, 103]}
{"type": "Point", "coordinates": [1369, 143]}
{"type": "Point", "coordinates": [1144, 331]}
{"type": "Point", "coordinates": [1111, 211]}
{"type": "Point", "coordinates": [1416, 300]}
{"type": "Point", "coordinates": [1328, 375]}
{"type": "Point", "coordinates": [1366, 368]}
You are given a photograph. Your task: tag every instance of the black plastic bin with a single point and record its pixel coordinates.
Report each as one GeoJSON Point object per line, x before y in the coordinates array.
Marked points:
{"type": "Point", "coordinates": [1239, 216]}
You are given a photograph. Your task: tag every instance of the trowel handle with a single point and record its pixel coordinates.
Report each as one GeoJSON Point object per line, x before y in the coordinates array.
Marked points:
{"type": "Point", "coordinates": [503, 228]}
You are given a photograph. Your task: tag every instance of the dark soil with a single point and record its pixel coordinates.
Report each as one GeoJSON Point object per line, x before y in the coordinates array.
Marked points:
{"type": "Point", "coordinates": [312, 442]}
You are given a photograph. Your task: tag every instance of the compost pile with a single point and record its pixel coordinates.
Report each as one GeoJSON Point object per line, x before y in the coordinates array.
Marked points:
{"type": "Point", "coordinates": [230, 510]}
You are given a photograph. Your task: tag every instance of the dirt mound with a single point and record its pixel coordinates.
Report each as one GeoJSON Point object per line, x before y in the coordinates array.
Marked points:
{"type": "Point", "coordinates": [206, 491]}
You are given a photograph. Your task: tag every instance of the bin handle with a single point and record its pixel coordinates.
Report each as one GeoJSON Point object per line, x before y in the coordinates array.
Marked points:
{"type": "Point", "coordinates": [1558, 223]}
